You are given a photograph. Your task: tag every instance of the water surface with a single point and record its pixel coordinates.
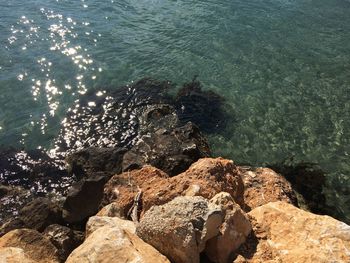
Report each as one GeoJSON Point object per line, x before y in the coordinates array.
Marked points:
{"type": "Point", "coordinates": [283, 66]}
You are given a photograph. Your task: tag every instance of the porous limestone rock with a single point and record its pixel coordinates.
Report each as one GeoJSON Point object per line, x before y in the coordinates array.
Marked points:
{"type": "Point", "coordinates": [263, 185]}
{"type": "Point", "coordinates": [113, 245]}
{"type": "Point", "coordinates": [96, 222]}
{"type": "Point", "coordinates": [285, 233]}
{"type": "Point", "coordinates": [180, 228]}
{"type": "Point", "coordinates": [111, 210]}
{"type": "Point", "coordinates": [210, 176]}
{"type": "Point", "coordinates": [14, 255]}
{"type": "Point", "coordinates": [35, 246]}
{"type": "Point", "coordinates": [234, 230]}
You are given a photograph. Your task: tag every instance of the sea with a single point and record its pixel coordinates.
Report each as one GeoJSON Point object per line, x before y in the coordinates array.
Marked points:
{"type": "Point", "coordinates": [282, 66]}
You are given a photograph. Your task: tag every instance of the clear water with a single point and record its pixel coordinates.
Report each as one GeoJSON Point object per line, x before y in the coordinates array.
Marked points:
{"type": "Point", "coordinates": [283, 65]}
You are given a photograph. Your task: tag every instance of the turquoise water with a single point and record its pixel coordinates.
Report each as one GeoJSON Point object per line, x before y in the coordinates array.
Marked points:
{"type": "Point", "coordinates": [283, 66]}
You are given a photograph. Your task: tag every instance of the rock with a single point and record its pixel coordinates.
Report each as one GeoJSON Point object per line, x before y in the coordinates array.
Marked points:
{"type": "Point", "coordinates": [83, 199]}
{"type": "Point", "coordinates": [112, 244]}
{"type": "Point", "coordinates": [187, 221]}
{"type": "Point", "coordinates": [64, 239]}
{"type": "Point", "coordinates": [263, 186]}
{"type": "Point", "coordinates": [171, 151]}
{"type": "Point", "coordinates": [204, 108]}
{"type": "Point", "coordinates": [11, 224]}
{"type": "Point", "coordinates": [233, 231]}
{"type": "Point", "coordinates": [288, 234]}
{"type": "Point", "coordinates": [308, 180]}
{"type": "Point", "coordinates": [35, 246]}
{"type": "Point", "coordinates": [14, 255]}
{"type": "Point", "coordinates": [111, 210]}
{"type": "Point", "coordinates": [89, 161]}
{"type": "Point", "coordinates": [96, 222]}
{"type": "Point", "coordinates": [211, 176]}
{"type": "Point", "coordinates": [40, 213]}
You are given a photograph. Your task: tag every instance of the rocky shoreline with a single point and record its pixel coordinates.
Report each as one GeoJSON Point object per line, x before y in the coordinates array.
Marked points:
{"type": "Point", "coordinates": [139, 184]}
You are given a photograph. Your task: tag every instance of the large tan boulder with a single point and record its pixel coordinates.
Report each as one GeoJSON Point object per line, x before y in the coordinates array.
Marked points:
{"type": "Point", "coordinates": [34, 245]}
{"type": "Point", "coordinates": [284, 234]}
{"type": "Point", "coordinates": [14, 255]}
{"type": "Point", "coordinates": [96, 222]}
{"type": "Point", "coordinates": [114, 245]}
{"type": "Point", "coordinates": [188, 225]}
{"type": "Point", "coordinates": [264, 185]}
{"type": "Point", "coordinates": [206, 178]}
{"type": "Point", "coordinates": [233, 231]}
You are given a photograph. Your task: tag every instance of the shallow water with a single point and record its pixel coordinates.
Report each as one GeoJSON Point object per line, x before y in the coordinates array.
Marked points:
{"type": "Point", "coordinates": [283, 66]}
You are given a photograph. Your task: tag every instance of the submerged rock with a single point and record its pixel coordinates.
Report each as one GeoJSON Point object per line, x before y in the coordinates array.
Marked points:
{"type": "Point", "coordinates": [284, 233]}
{"type": "Point", "coordinates": [112, 244]}
{"type": "Point", "coordinates": [171, 151]}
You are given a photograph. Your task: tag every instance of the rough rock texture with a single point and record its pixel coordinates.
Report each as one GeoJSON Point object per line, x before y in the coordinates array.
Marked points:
{"type": "Point", "coordinates": [64, 239]}
{"type": "Point", "coordinates": [35, 246]}
{"type": "Point", "coordinates": [41, 213]}
{"type": "Point", "coordinates": [284, 233]}
{"type": "Point", "coordinates": [171, 151]}
{"type": "Point", "coordinates": [89, 161]}
{"type": "Point", "coordinates": [14, 255]}
{"type": "Point", "coordinates": [83, 199]}
{"type": "Point", "coordinates": [112, 244]}
{"type": "Point", "coordinates": [96, 222]}
{"type": "Point", "coordinates": [263, 186]}
{"type": "Point", "coordinates": [11, 224]}
{"type": "Point", "coordinates": [233, 231]}
{"type": "Point", "coordinates": [111, 210]}
{"type": "Point", "coordinates": [187, 222]}
{"type": "Point", "coordinates": [211, 176]}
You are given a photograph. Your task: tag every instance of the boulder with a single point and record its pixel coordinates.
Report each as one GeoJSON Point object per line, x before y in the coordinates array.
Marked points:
{"type": "Point", "coordinates": [96, 222]}
{"type": "Point", "coordinates": [40, 213]}
{"type": "Point", "coordinates": [179, 229]}
{"type": "Point", "coordinates": [34, 245]}
{"type": "Point", "coordinates": [83, 199]}
{"type": "Point", "coordinates": [11, 224]}
{"type": "Point", "coordinates": [234, 230]}
{"type": "Point", "coordinates": [206, 178]}
{"type": "Point", "coordinates": [64, 239]}
{"type": "Point", "coordinates": [92, 160]}
{"type": "Point", "coordinates": [263, 185]}
{"type": "Point", "coordinates": [14, 255]}
{"type": "Point", "coordinates": [171, 151]}
{"type": "Point", "coordinates": [112, 244]}
{"type": "Point", "coordinates": [111, 210]}
{"type": "Point", "coordinates": [285, 233]}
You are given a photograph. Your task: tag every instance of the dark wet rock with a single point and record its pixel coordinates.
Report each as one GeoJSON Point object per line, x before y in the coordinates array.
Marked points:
{"type": "Point", "coordinates": [110, 118]}
{"type": "Point", "coordinates": [307, 180]}
{"type": "Point", "coordinates": [92, 160]}
{"type": "Point", "coordinates": [83, 199]}
{"type": "Point", "coordinates": [32, 169]}
{"type": "Point", "coordinates": [204, 108]}
{"type": "Point", "coordinates": [172, 152]}
{"type": "Point", "coordinates": [11, 224]}
{"type": "Point", "coordinates": [64, 239]}
{"type": "Point", "coordinates": [13, 200]}
{"type": "Point", "coordinates": [41, 213]}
